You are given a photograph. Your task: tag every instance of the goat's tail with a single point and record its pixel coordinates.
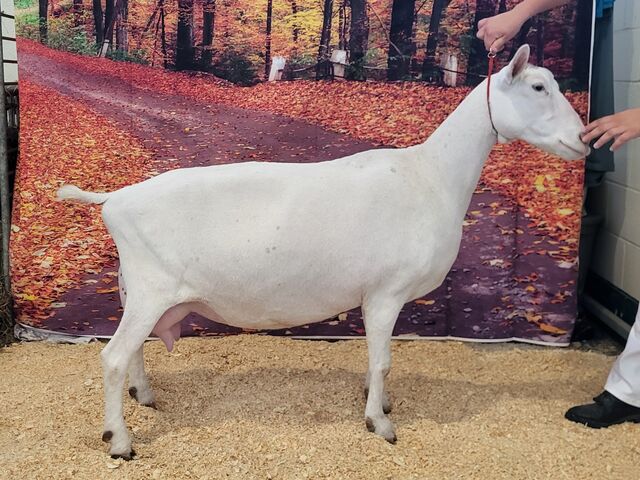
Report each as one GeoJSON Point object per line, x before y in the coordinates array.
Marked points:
{"type": "Point", "coordinates": [73, 193]}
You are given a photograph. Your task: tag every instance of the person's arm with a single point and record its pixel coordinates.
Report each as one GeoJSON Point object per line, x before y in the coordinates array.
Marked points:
{"type": "Point", "coordinates": [622, 127]}
{"type": "Point", "coordinates": [498, 30]}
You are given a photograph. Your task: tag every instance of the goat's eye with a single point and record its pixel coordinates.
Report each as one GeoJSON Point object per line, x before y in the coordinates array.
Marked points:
{"type": "Point", "coordinates": [538, 87]}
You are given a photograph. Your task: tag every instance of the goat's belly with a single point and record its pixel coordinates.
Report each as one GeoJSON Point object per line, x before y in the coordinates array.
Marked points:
{"type": "Point", "coordinates": [248, 317]}
{"type": "Point", "coordinates": [266, 320]}
{"type": "Point", "coordinates": [278, 311]}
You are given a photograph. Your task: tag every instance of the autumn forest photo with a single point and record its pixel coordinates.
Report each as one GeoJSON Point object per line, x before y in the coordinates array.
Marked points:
{"type": "Point", "coordinates": [117, 91]}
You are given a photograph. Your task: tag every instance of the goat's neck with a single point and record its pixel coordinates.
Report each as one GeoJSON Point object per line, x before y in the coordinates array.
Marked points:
{"type": "Point", "coordinates": [458, 149]}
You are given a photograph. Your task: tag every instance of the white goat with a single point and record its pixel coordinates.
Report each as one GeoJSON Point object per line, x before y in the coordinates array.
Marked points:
{"type": "Point", "coordinates": [275, 245]}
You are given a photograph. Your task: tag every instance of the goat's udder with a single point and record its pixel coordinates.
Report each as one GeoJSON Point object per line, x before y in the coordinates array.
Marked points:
{"type": "Point", "coordinates": [168, 335]}
{"type": "Point", "coordinates": [168, 327]}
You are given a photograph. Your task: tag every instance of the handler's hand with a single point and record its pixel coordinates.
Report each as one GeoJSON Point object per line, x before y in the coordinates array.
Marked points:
{"type": "Point", "coordinates": [498, 30]}
{"type": "Point", "coordinates": [623, 126]}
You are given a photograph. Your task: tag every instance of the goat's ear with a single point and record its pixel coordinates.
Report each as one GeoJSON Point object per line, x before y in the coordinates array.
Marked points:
{"type": "Point", "coordinates": [518, 62]}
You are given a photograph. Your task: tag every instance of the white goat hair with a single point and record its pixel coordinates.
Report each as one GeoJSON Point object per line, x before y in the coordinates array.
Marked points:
{"type": "Point", "coordinates": [275, 245]}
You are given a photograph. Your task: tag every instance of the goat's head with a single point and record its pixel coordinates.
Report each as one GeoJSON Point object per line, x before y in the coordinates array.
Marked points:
{"type": "Point", "coordinates": [527, 104]}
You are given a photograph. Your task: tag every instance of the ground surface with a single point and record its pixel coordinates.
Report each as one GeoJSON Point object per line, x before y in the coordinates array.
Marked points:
{"type": "Point", "coordinates": [261, 407]}
{"type": "Point", "coordinates": [511, 280]}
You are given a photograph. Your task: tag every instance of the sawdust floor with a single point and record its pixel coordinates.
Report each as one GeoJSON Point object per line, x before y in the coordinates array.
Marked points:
{"type": "Point", "coordinates": [262, 407]}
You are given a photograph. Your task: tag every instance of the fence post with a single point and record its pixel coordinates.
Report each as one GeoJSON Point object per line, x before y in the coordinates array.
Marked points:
{"type": "Point", "coordinates": [5, 207]}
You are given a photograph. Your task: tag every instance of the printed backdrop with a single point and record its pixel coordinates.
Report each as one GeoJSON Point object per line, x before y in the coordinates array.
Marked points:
{"type": "Point", "coordinates": [183, 84]}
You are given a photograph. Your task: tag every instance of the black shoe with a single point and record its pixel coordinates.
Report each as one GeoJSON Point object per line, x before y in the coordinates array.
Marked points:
{"type": "Point", "coordinates": [606, 411]}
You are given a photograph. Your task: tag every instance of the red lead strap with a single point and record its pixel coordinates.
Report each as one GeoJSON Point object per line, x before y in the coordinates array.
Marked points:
{"type": "Point", "coordinates": [491, 55]}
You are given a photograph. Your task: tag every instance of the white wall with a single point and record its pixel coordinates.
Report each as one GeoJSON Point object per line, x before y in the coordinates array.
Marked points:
{"type": "Point", "coordinates": [617, 249]}
{"type": "Point", "coordinates": [8, 46]}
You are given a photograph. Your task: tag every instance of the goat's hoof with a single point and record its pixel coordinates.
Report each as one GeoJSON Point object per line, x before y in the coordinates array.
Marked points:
{"type": "Point", "coordinates": [368, 422]}
{"type": "Point", "coordinates": [124, 456]}
{"type": "Point", "coordinates": [144, 397]}
{"type": "Point", "coordinates": [133, 393]}
{"type": "Point", "coordinates": [106, 436]}
{"type": "Point", "coordinates": [383, 427]}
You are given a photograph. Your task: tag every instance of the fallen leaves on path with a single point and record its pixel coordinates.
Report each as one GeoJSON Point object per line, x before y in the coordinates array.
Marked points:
{"type": "Point", "coordinates": [53, 244]}
{"type": "Point", "coordinates": [397, 114]}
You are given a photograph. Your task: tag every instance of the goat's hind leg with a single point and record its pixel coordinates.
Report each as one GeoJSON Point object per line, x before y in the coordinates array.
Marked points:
{"type": "Point", "coordinates": [138, 320]}
{"type": "Point", "coordinates": [139, 387]}
{"type": "Point", "coordinates": [380, 316]}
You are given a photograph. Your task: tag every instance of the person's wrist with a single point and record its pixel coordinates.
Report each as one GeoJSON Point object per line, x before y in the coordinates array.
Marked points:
{"type": "Point", "coordinates": [522, 12]}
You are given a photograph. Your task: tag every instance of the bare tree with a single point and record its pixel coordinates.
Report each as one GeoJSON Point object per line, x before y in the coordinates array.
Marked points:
{"type": "Point", "coordinates": [400, 41]}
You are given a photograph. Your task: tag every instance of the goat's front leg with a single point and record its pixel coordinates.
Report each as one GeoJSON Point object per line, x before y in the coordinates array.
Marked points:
{"type": "Point", "coordinates": [386, 400]}
{"type": "Point", "coordinates": [380, 316]}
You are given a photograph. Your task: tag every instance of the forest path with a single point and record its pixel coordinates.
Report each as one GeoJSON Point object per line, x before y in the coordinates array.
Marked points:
{"type": "Point", "coordinates": [490, 293]}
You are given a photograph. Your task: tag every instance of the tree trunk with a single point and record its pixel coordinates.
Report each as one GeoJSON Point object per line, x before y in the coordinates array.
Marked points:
{"type": "Point", "coordinates": [122, 17]}
{"type": "Point", "coordinates": [163, 36]}
{"type": "Point", "coordinates": [582, 44]}
{"type": "Point", "coordinates": [402, 18]}
{"type": "Point", "coordinates": [521, 38]}
{"type": "Point", "coordinates": [296, 28]}
{"type": "Point", "coordinates": [477, 64]}
{"type": "Point", "coordinates": [567, 39]}
{"type": "Point", "coordinates": [43, 7]}
{"type": "Point", "coordinates": [429, 68]}
{"type": "Point", "coordinates": [109, 13]}
{"type": "Point", "coordinates": [78, 8]}
{"type": "Point", "coordinates": [208, 29]}
{"type": "Point", "coordinates": [323, 66]}
{"type": "Point", "coordinates": [148, 25]}
{"type": "Point", "coordinates": [184, 37]}
{"type": "Point", "coordinates": [342, 25]}
{"type": "Point", "coordinates": [267, 40]}
{"type": "Point", "coordinates": [97, 21]}
{"type": "Point", "coordinates": [109, 24]}
{"type": "Point", "coordinates": [358, 40]}
{"type": "Point", "coordinates": [540, 18]}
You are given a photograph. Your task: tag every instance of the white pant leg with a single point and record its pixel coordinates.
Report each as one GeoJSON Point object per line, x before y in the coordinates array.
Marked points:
{"type": "Point", "coordinates": [624, 377]}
